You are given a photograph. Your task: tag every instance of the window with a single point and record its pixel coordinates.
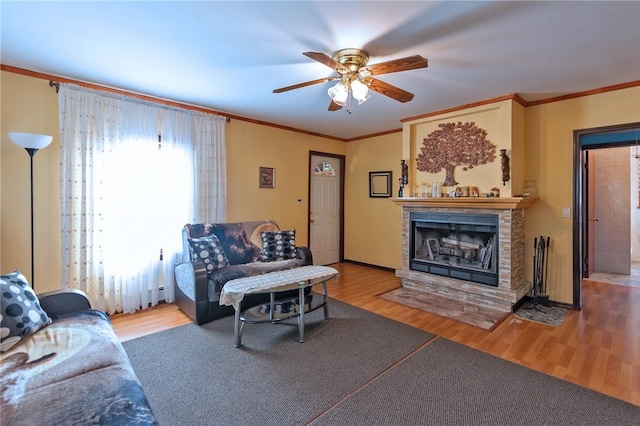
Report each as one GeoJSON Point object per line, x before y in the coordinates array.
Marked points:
{"type": "Point", "coordinates": [146, 202]}
{"type": "Point", "coordinates": [324, 169]}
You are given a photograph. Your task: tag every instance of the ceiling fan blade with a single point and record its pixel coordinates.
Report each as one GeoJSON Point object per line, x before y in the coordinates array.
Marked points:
{"type": "Point", "coordinates": [397, 65]}
{"type": "Point", "coordinates": [389, 90]}
{"type": "Point", "coordinates": [308, 83]}
{"type": "Point", "coordinates": [334, 106]}
{"type": "Point", "coordinates": [326, 60]}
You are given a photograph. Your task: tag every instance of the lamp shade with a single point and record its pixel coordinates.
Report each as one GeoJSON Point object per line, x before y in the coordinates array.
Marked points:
{"type": "Point", "coordinates": [360, 91]}
{"type": "Point", "coordinates": [339, 94]}
{"type": "Point", "coordinates": [30, 140]}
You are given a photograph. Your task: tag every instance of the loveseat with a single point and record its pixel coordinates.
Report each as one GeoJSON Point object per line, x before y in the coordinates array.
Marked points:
{"type": "Point", "coordinates": [64, 365]}
{"type": "Point", "coordinates": [215, 253]}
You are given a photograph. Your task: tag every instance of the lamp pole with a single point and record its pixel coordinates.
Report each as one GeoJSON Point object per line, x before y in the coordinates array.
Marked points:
{"type": "Point", "coordinates": [32, 152]}
{"type": "Point", "coordinates": [31, 142]}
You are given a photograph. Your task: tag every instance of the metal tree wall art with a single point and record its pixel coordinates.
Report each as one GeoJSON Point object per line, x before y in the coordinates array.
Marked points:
{"type": "Point", "coordinates": [452, 145]}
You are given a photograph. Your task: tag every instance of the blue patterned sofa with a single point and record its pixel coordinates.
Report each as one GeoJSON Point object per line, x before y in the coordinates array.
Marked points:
{"type": "Point", "coordinates": [215, 253]}
{"type": "Point", "coordinates": [64, 365]}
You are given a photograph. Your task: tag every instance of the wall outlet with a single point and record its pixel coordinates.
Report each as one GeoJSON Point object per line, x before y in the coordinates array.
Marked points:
{"type": "Point", "coordinates": [566, 212]}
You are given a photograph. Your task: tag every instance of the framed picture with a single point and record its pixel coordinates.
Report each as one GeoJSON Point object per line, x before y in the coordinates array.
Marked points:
{"type": "Point", "coordinates": [380, 184]}
{"type": "Point", "coordinates": [267, 177]}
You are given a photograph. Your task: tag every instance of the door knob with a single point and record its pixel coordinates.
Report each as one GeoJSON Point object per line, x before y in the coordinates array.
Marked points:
{"type": "Point", "coordinates": [311, 221]}
{"type": "Point", "coordinates": [595, 219]}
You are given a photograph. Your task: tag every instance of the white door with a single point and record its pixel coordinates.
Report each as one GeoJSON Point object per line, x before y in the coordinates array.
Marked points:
{"type": "Point", "coordinates": [324, 210]}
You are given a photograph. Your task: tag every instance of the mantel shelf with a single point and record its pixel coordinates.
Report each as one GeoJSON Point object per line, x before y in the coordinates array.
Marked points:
{"type": "Point", "coordinates": [505, 203]}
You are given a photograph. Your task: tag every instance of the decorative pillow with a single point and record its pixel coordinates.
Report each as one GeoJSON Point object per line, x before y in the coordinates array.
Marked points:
{"type": "Point", "coordinates": [209, 250]}
{"type": "Point", "coordinates": [278, 245]}
{"type": "Point", "coordinates": [21, 312]}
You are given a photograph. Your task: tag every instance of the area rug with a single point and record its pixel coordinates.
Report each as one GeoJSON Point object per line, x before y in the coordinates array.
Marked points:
{"type": "Point", "coordinates": [467, 313]}
{"type": "Point", "coordinates": [446, 383]}
{"type": "Point", "coordinates": [197, 377]}
{"type": "Point", "coordinates": [356, 368]}
{"type": "Point", "coordinates": [548, 315]}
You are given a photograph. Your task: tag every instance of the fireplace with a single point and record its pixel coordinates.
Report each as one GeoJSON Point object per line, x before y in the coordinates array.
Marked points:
{"type": "Point", "coordinates": [461, 246]}
{"type": "Point", "coordinates": [466, 249]}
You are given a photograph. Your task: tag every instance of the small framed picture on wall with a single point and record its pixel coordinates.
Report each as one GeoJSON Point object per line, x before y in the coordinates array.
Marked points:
{"type": "Point", "coordinates": [267, 178]}
{"type": "Point", "coordinates": [380, 184]}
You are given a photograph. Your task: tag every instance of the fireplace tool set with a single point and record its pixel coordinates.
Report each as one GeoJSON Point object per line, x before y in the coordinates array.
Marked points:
{"type": "Point", "coordinates": [540, 262]}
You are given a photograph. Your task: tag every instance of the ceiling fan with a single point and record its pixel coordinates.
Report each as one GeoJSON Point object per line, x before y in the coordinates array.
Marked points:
{"type": "Point", "coordinates": [356, 77]}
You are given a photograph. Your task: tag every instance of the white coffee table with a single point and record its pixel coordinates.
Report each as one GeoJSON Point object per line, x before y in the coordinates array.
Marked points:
{"type": "Point", "coordinates": [297, 278]}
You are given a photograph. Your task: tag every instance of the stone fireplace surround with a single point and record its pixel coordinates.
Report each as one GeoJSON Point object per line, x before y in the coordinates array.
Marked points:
{"type": "Point", "coordinates": [512, 285]}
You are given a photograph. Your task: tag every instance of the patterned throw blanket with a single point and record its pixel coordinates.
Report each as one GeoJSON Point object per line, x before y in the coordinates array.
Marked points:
{"type": "Point", "coordinates": [74, 371]}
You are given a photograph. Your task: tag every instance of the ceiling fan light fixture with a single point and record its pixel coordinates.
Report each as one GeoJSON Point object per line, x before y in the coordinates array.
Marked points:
{"type": "Point", "coordinates": [360, 91]}
{"type": "Point", "coordinates": [356, 77]}
{"type": "Point", "coordinates": [339, 94]}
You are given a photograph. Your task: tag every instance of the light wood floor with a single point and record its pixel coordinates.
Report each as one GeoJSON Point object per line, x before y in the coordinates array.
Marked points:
{"type": "Point", "coordinates": [597, 348]}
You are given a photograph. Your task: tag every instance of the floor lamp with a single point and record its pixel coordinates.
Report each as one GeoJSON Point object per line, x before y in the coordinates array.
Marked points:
{"type": "Point", "coordinates": [31, 143]}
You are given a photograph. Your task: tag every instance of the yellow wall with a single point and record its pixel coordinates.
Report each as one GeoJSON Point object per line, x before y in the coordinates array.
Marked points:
{"type": "Point", "coordinates": [517, 153]}
{"type": "Point", "coordinates": [541, 150]}
{"type": "Point", "coordinates": [373, 225]}
{"type": "Point", "coordinates": [29, 104]}
{"type": "Point", "coordinates": [251, 146]}
{"type": "Point", "coordinates": [549, 161]}
{"type": "Point", "coordinates": [496, 119]}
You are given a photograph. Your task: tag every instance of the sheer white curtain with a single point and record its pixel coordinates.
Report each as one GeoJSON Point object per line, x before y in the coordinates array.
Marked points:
{"type": "Point", "coordinates": [212, 170]}
{"type": "Point", "coordinates": [131, 177]}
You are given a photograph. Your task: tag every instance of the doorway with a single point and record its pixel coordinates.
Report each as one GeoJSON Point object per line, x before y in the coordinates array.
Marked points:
{"type": "Point", "coordinates": [605, 214]}
{"type": "Point", "coordinates": [326, 200]}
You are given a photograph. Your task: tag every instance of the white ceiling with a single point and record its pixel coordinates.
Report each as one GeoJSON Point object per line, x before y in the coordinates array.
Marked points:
{"type": "Point", "coordinates": [229, 56]}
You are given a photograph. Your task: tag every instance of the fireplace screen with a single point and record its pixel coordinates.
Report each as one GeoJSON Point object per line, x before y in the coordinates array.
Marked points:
{"type": "Point", "coordinates": [462, 246]}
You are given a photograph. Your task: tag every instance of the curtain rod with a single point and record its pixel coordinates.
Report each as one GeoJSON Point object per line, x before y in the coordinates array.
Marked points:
{"type": "Point", "coordinates": [56, 85]}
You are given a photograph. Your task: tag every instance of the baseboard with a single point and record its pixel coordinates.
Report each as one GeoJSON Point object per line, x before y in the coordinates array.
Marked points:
{"type": "Point", "coordinates": [384, 268]}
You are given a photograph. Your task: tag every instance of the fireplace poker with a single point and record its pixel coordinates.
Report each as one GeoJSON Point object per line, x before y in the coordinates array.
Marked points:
{"type": "Point", "coordinates": [546, 268]}
{"type": "Point", "coordinates": [535, 267]}
{"type": "Point", "coordinates": [535, 287]}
